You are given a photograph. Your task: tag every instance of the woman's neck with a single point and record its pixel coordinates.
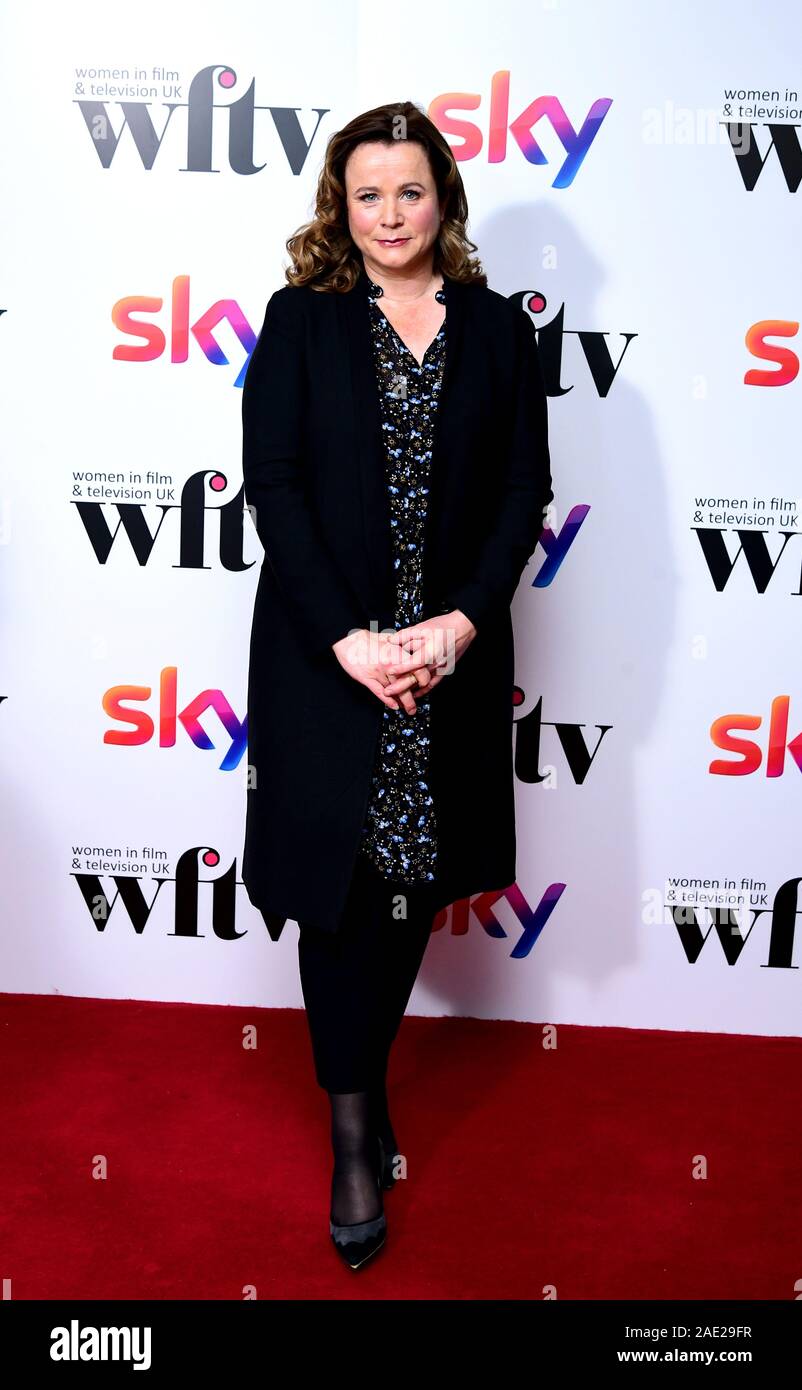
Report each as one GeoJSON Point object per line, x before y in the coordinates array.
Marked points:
{"type": "Point", "coordinates": [407, 287]}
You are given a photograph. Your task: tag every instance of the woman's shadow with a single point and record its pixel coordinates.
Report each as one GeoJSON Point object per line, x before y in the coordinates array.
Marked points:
{"type": "Point", "coordinates": [591, 648]}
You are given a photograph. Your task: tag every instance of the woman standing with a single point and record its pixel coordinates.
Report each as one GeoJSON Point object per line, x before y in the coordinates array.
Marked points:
{"type": "Point", "coordinates": [396, 464]}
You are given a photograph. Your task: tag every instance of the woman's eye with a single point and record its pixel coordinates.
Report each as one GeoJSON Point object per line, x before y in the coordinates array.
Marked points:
{"type": "Point", "coordinates": [413, 191]}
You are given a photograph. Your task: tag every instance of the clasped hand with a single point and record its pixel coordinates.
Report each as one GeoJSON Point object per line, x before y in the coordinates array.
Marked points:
{"type": "Point", "coordinates": [394, 664]}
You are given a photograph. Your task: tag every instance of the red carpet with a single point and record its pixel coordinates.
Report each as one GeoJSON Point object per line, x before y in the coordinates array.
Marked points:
{"type": "Point", "coordinates": [528, 1168]}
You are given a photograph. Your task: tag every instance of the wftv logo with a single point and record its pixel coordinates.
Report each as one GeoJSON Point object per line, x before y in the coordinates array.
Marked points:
{"type": "Point", "coordinates": [578, 756]}
{"type": "Point", "coordinates": [727, 925]}
{"type": "Point", "coordinates": [592, 344]}
{"type": "Point", "coordinates": [751, 163]}
{"type": "Point", "coordinates": [218, 78]}
{"type": "Point", "coordinates": [188, 540]}
{"type": "Point", "coordinates": [188, 883]}
{"type": "Point", "coordinates": [783, 515]}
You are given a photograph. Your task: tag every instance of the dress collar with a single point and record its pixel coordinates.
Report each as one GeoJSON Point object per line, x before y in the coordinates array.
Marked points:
{"type": "Point", "coordinates": [375, 291]}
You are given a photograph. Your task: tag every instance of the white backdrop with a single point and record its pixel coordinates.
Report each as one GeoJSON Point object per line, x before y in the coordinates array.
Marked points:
{"type": "Point", "coordinates": [646, 257]}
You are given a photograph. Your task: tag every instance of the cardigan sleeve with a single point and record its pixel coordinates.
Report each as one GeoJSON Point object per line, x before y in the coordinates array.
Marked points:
{"type": "Point", "coordinates": [526, 492]}
{"type": "Point", "coordinates": [273, 403]}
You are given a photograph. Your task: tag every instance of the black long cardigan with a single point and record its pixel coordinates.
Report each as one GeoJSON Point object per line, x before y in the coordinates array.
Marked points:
{"type": "Point", "coordinates": [313, 467]}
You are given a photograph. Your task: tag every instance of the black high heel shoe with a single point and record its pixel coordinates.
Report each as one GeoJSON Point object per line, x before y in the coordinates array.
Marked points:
{"type": "Point", "coordinates": [355, 1243]}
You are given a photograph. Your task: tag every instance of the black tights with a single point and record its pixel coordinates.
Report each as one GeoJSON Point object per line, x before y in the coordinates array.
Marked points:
{"type": "Point", "coordinates": [356, 984]}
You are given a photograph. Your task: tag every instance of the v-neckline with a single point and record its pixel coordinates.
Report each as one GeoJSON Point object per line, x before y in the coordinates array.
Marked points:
{"type": "Point", "coordinates": [406, 346]}
{"type": "Point", "coordinates": [372, 286]}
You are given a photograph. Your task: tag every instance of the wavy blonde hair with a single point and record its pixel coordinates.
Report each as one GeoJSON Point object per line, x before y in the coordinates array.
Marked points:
{"type": "Point", "coordinates": [323, 252]}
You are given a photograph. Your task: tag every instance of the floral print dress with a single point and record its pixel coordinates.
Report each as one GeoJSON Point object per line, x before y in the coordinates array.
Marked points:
{"type": "Point", "coordinates": [400, 831]}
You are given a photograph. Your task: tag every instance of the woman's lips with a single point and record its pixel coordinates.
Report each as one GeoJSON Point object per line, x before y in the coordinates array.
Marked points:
{"type": "Point", "coordinates": [395, 241]}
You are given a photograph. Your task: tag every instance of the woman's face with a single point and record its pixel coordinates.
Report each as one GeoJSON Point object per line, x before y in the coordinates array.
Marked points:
{"type": "Point", "coordinates": [391, 197]}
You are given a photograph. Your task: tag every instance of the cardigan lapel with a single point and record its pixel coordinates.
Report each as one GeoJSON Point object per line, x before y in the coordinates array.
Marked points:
{"type": "Point", "coordinates": [368, 432]}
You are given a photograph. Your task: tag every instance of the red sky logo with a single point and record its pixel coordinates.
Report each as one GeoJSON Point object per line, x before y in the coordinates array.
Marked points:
{"type": "Point", "coordinates": [143, 725]}
{"type": "Point", "coordinates": [787, 361]}
{"type": "Point", "coordinates": [179, 331]}
{"type": "Point", "coordinates": [547, 109]}
{"type": "Point", "coordinates": [749, 754]}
